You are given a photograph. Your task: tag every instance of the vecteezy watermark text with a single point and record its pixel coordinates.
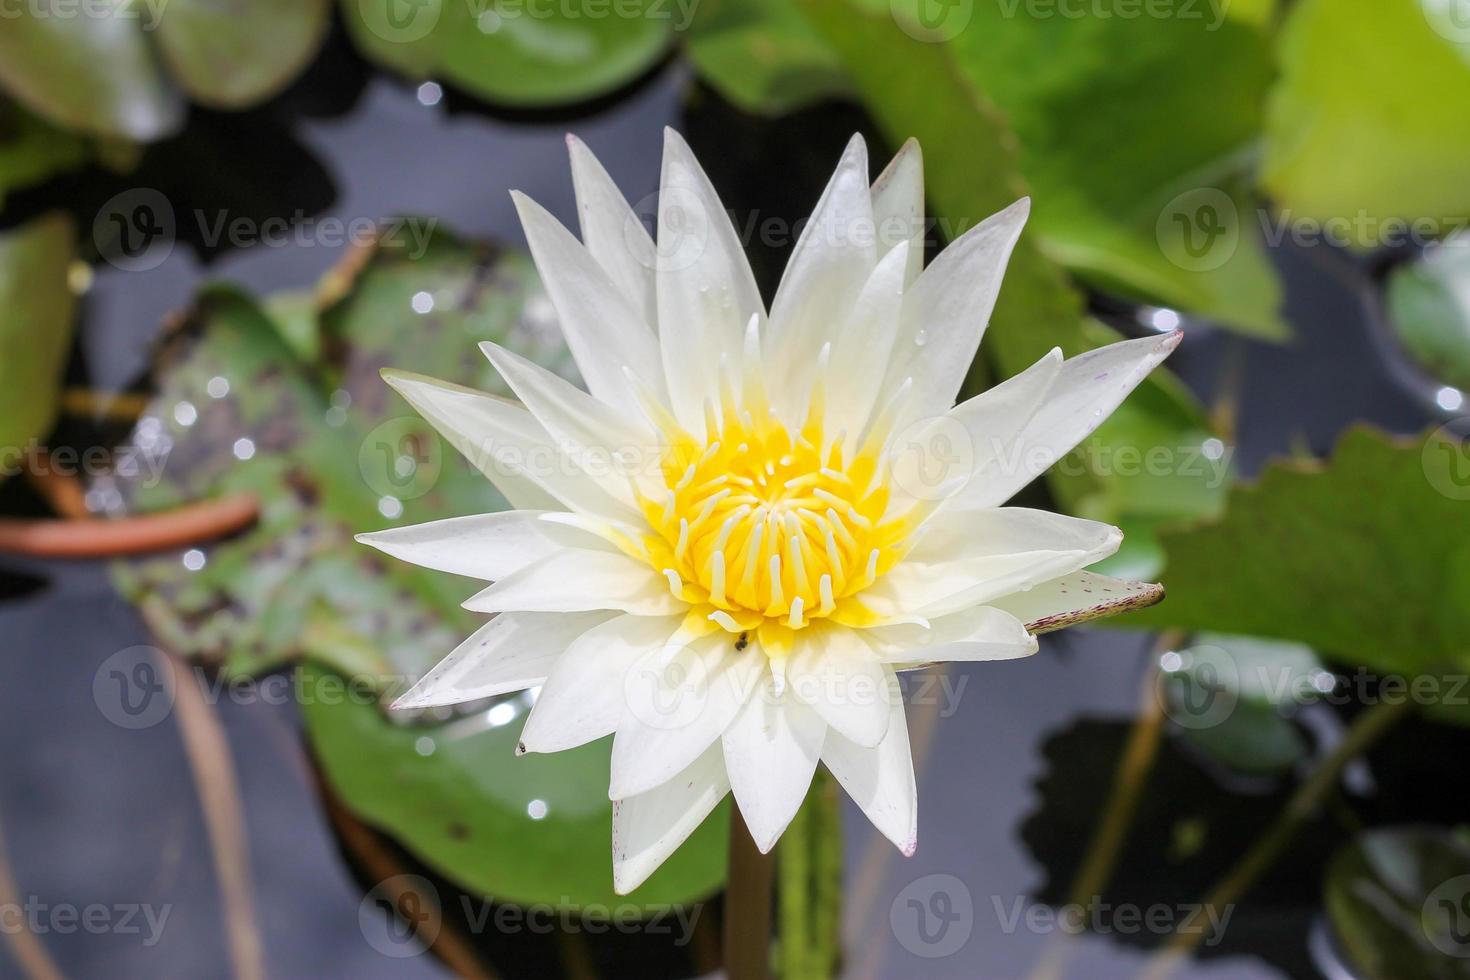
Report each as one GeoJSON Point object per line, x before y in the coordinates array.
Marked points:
{"type": "Point", "coordinates": [96, 918]}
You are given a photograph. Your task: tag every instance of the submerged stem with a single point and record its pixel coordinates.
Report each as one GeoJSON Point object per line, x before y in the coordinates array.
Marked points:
{"type": "Point", "coordinates": [809, 869]}
{"type": "Point", "coordinates": [1366, 729]}
{"type": "Point", "coordinates": [747, 906]}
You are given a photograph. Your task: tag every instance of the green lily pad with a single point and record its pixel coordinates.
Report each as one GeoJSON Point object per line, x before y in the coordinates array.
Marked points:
{"type": "Point", "coordinates": [1127, 125]}
{"type": "Point", "coordinates": [231, 54]}
{"type": "Point", "coordinates": [1398, 900]}
{"type": "Point", "coordinates": [517, 53]}
{"type": "Point", "coordinates": [918, 89]}
{"type": "Point", "coordinates": [1365, 557]}
{"type": "Point", "coordinates": [1351, 133]}
{"type": "Point", "coordinates": [1429, 310]}
{"type": "Point", "coordinates": [36, 330]}
{"type": "Point", "coordinates": [120, 75]}
{"type": "Point", "coordinates": [330, 449]}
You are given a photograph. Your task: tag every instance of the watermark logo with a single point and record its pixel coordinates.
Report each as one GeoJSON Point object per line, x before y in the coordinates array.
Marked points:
{"type": "Point", "coordinates": [400, 21]}
{"type": "Point", "coordinates": [1199, 687]}
{"type": "Point", "coordinates": [933, 916]}
{"type": "Point", "coordinates": [1446, 917]}
{"type": "Point", "coordinates": [1446, 459]}
{"type": "Point", "coordinates": [134, 230]}
{"type": "Point", "coordinates": [932, 458]}
{"type": "Point", "coordinates": [1199, 230]}
{"type": "Point", "coordinates": [668, 687]}
{"type": "Point", "coordinates": [1450, 19]}
{"type": "Point", "coordinates": [400, 916]}
{"type": "Point", "coordinates": [130, 688]}
{"type": "Point", "coordinates": [401, 458]}
{"type": "Point", "coordinates": [932, 21]}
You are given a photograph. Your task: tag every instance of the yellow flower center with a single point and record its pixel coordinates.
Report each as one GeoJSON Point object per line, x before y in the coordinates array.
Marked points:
{"type": "Point", "coordinates": [759, 525]}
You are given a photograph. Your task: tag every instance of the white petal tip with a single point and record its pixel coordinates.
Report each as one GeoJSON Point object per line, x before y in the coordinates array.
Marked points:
{"type": "Point", "coordinates": [1173, 339]}
{"type": "Point", "coordinates": [907, 848]}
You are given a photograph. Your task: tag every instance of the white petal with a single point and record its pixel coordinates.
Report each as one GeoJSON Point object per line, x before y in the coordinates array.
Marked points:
{"type": "Point", "coordinates": [583, 697]}
{"type": "Point", "coordinates": [482, 546]}
{"type": "Point", "coordinates": [1088, 389]}
{"type": "Point", "coordinates": [611, 231]}
{"type": "Point", "coordinates": [649, 827]}
{"type": "Point", "coordinates": [512, 652]}
{"type": "Point", "coordinates": [860, 349]}
{"type": "Point", "coordinates": [576, 579]}
{"type": "Point", "coordinates": [505, 442]}
{"type": "Point", "coordinates": [595, 437]}
{"type": "Point", "coordinates": [961, 457]}
{"type": "Point", "coordinates": [948, 308]}
{"type": "Point", "coordinates": [977, 633]}
{"type": "Point", "coordinates": [1078, 598]}
{"type": "Point", "coordinates": [880, 780]}
{"type": "Point", "coordinates": [679, 701]}
{"type": "Point", "coordinates": [898, 206]}
{"type": "Point", "coordinates": [832, 260]}
{"type": "Point", "coordinates": [965, 558]}
{"type": "Point", "coordinates": [835, 672]}
{"type": "Point", "coordinates": [603, 330]}
{"type": "Point", "coordinates": [771, 752]}
{"type": "Point", "coordinates": [706, 291]}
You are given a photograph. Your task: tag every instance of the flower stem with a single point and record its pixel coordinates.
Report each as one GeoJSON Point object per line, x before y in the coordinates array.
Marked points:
{"type": "Point", "coordinates": [809, 885]}
{"type": "Point", "coordinates": [747, 906]}
{"type": "Point", "coordinates": [1366, 729]}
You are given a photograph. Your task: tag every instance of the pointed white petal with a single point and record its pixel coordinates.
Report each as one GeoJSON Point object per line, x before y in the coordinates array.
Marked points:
{"type": "Point", "coordinates": [898, 206]}
{"type": "Point", "coordinates": [831, 262]}
{"type": "Point", "coordinates": [771, 752]}
{"type": "Point", "coordinates": [880, 780]}
{"type": "Point", "coordinates": [834, 671]}
{"type": "Point", "coordinates": [965, 558]}
{"type": "Point", "coordinates": [1088, 389]}
{"type": "Point", "coordinates": [649, 827]}
{"type": "Point", "coordinates": [482, 546]}
{"type": "Point", "coordinates": [575, 579]}
{"type": "Point", "coordinates": [977, 633]}
{"type": "Point", "coordinates": [962, 456]}
{"type": "Point", "coordinates": [706, 291]}
{"type": "Point", "coordinates": [948, 308]}
{"type": "Point", "coordinates": [595, 437]}
{"type": "Point", "coordinates": [512, 652]}
{"type": "Point", "coordinates": [583, 697]}
{"type": "Point", "coordinates": [604, 332]}
{"type": "Point", "coordinates": [505, 442]}
{"type": "Point", "coordinates": [679, 701]}
{"type": "Point", "coordinates": [1078, 598]}
{"type": "Point", "coordinates": [860, 350]}
{"type": "Point", "coordinates": [611, 231]}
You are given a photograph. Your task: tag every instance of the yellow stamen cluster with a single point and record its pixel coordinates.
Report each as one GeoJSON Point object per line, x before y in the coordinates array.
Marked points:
{"type": "Point", "coordinates": [758, 523]}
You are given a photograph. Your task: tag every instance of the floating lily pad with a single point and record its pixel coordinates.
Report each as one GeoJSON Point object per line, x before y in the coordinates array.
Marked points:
{"type": "Point", "coordinates": [517, 53]}
{"type": "Point", "coordinates": [331, 450]}
{"type": "Point", "coordinates": [763, 56]}
{"type": "Point", "coordinates": [36, 327]}
{"type": "Point", "coordinates": [1364, 556]}
{"type": "Point", "coordinates": [32, 149]}
{"type": "Point", "coordinates": [1351, 134]}
{"type": "Point", "coordinates": [121, 74]}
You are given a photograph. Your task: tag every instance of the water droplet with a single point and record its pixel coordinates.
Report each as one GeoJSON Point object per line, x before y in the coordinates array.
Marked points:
{"type": "Point", "coordinates": [390, 507]}
{"type": "Point", "coordinates": [424, 745]}
{"type": "Point", "coordinates": [422, 302]}
{"type": "Point", "coordinates": [186, 414]}
{"type": "Point", "coordinates": [536, 809]}
{"type": "Point", "coordinates": [194, 559]}
{"type": "Point", "coordinates": [243, 448]}
{"type": "Point", "coordinates": [502, 714]}
{"type": "Point", "coordinates": [1170, 662]}
{"type": "Point", "coordinates": [1449, 399]}
{"type": "Point", "coordinates": [430, 93]}
{"type": "Point", "coordinates": [921, 338]}
{"type": "Point", "coordinates": [1212, 448]}
{"type": "Point", "coordinates": [218, 387]}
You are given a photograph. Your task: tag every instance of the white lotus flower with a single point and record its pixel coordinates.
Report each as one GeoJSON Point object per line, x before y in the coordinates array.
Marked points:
{"type": "Point", "coordinates": [726, 546]}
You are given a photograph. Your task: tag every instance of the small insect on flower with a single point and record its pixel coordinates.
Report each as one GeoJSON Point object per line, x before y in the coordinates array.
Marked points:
{"type": "Point", "coordinates": [726, 546]}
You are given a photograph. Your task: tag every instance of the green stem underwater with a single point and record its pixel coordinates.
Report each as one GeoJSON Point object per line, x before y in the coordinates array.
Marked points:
{"type": "Point", "coordinates": [747, 906]}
